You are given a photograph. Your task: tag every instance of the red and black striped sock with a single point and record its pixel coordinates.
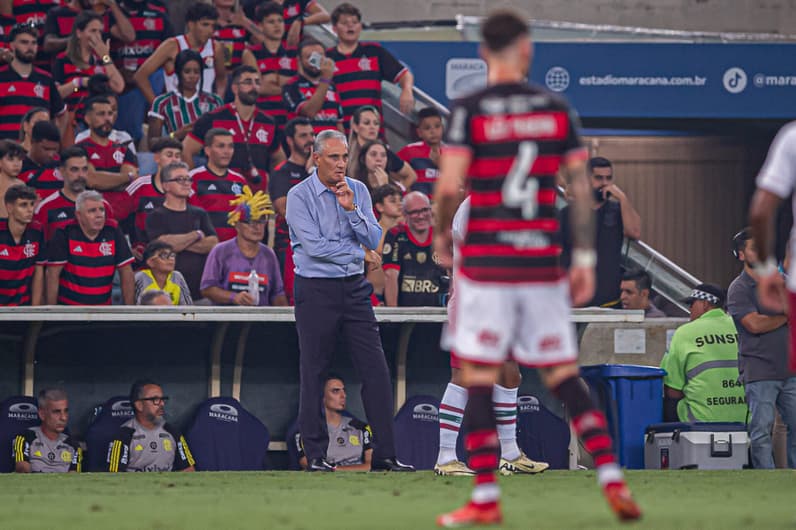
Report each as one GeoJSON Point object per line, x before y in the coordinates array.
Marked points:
{"type": "Point", "coordinates": [591, 427]}
{"type": "Point", "coordinates": [482, 445]}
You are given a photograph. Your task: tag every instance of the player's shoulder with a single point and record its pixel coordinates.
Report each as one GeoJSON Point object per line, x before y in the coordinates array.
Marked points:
{"type": "Point", "coordinates": [786, 137]}
{"type": "Point", "coordinates": [358, 424]}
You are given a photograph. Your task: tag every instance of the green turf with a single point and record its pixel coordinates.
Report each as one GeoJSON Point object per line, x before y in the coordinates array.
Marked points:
{"type": "Point", "coordinates": [291, 500]}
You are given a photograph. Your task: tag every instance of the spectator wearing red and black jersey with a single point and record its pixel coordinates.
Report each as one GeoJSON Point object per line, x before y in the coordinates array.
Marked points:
{"type": "Point", "coordinates": [6, 24]}
{"type": "Point", "coordinates": [60, 22]}
{"type": "Point", "coordinates": [234, 31]}
{"type": "Point", "coordinates": [365, 127]}
{"type": "Point", "coordinates": [362, 66]}
{"type": "Point", "coordinates": [200, 21]}
{"type": "Point", "coordinates": [21, 250]}
{"type": "Point", "coordinates": [387, 204]}
{"type": "Point", "coordinates": [276, 64]}
{"type": "Point", "coordinates": [423, 156]}
{"type": "Point", "coordinates": [34, 13]}
{"type": "Point", "coordinates": [98, 87]}
{"type": "Point", "coordinates": [174, 113]}
{"type": "Point", "coordinates": [300, 136]}
{"type": "Point", "coordinates": [146, 193]}
{"type": "Point", "coordinates": [83, 256]}
{"type": "Point", "coordinates": [11, 156]}
{"type": "Point", "coordinates": [40, 164]}
{"type": "Point", "coordinates": [185, 227]}
{"type": "Point", "coordinates": [297, 14]}
{"type": "Point", "coordinates": [58, 209]}
{"type": "Point", "coordinates": [86, 55]}
{"type": "Point", "coordinates": [31, 118]}
{"type": "Point", "coordinates": [214, 184]}
{"type": "Point", "coordinates": [112, 166]}
{"type": "Point", "coordinates": [24, 87]}
{"type": "Point", "coordinates": [257, 142]}
{"type": "Point", "coordinates": [312, 93]}
{"type": "Point", "coordinates": [152, 27]}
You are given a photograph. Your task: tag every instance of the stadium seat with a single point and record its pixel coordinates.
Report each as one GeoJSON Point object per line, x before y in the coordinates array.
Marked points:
{"type": "Point", "coordinates": [542, 435]}
{"type": "Point", "coordinates": [226, 437]}
{"type": "Point", "coordinates": [17, 413]}
{"type": "Point", "coordinates": [417, 432]}
{"type": "Point", "coordinates": [108, 417]}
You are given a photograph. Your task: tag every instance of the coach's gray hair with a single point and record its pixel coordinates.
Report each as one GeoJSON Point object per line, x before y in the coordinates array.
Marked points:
{"type": "Point", "coordinates": [325, 136]}
{"type": "Point", "coordinates": [165, 173]}
{"type": "Point", "coordinates": [85, 196]}
{"type": "Point", "coordinates": [51, 394]}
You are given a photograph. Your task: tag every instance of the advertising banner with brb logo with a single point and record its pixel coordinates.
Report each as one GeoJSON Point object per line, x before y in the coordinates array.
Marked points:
{"type": "Point", "coordinates": [637, 80]}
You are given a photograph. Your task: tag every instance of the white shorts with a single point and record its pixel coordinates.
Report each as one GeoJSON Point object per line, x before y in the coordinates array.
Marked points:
{"type": "Point", "coordinates": [529, 322]}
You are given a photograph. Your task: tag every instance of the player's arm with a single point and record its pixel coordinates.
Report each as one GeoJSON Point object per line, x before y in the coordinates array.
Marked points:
{"type": "Point", "coordinates": [315, 14]}
{"type": "Point", "coordinates": [37, 286]}
{"type": "Point", "coordinates": [163, 54]}
{"type": "Point", "coordinates": [391, 287]}
{"type": "Point", "coordinates": [454, 164]}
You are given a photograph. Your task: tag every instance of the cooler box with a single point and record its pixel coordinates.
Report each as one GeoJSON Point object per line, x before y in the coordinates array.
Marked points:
{"type": "Point", "coordinates": [696, 446]}
{"type": "Point", "coordinates": [632, 398]}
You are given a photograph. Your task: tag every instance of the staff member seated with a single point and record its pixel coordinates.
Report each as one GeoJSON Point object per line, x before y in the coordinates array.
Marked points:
{"type": "Point", "coordinates": [349, 439]}
{"type": "Point", "coordinates": [702, 382]}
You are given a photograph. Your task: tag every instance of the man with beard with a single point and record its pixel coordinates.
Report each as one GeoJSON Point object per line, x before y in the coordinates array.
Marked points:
{"type": "Point", "coordinates": [58, 209]}
{"type": "Point", "coordinates": [32, 13]}
{"type": "Point", "coordinates": [312, 93]}
{"type": "Point", "coordinates": [47, 448]}
{"type": "Point", "coordinates": [23, 87]}
{"type": "Point", "coordinates": [112, 166]}
{"type": "Point", "coordinates": [40, 165]}
{"type": "Point", "coordinates": [83, 257]}
{"type": "Point", "coordinates": [21, 250]}
{"type": "Point", "coordinates": [257, 143]}
{"type": "Point", "coordinates": [146, 442]}
{"type": "Point", "coordinates": [300, 136]}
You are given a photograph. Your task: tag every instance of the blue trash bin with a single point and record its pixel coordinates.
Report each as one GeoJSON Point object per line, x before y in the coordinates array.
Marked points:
{"type": "Point", "coordinates": [632, 398]}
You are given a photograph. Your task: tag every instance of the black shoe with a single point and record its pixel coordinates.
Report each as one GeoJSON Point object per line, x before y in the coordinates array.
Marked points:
{"type": "Point", "coordinates": [320, 464]}
{"type": "Point", "coordinates": [389, 464]}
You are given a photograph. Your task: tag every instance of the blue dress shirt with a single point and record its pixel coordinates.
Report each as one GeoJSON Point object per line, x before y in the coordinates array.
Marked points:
{"type": "Point", "coordinates": [326, 239]}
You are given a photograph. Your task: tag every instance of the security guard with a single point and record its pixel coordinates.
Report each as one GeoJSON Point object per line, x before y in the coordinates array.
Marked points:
{"type": "Point", "coordinates": [702, 382]}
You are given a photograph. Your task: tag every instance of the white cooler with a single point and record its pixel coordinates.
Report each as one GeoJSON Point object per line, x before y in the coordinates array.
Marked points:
{"type": "Point", "coordinates": [696, 446]}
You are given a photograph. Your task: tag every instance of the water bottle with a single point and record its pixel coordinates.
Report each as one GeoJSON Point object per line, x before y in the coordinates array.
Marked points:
{"type": "Point", "coordinates": [254, 287]}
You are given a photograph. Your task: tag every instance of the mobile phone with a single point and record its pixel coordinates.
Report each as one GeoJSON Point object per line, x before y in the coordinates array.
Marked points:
{"type": "Point", "coordinates": [315, 60]}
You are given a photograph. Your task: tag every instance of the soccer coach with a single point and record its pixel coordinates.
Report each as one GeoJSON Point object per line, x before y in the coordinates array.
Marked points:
{"type": "Point", "coordinates": [331, 219]}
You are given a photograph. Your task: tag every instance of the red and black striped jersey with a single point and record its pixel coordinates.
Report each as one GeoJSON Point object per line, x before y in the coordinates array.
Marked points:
{"type": "Point", "coordinates": [60, 20]}
{"type": "Point", "coordinates": [46, 179]}
{"type": "Point", "coordinates": [358, 76]}
{"type": "Point", "coordinates": [35, 12]}
{"type": "Point", "coordinates": [284, 177]}
{"type": "Point", "coordinates": [299, 90]}
{"type": "Point", "coordinates": [418, 155]}
{"type": "Point", "coordinates": [518, 136]}
{"type": "Point", "coordinates": [18, 261]}
{"type": "Point", "coordinates": [6, 23]}
{"type": "Point", "coordinates": [233, 38]}
{"type": "Point", "coordinates": [152, 27]}
{"type": "Point", "coordinates": [144, 198]}
{"type": "Point", "coordinates": [285, 63]}
{"type": "Point", "coordinates": [20, 94]}
{"type": "Point", "coordinates": [212, 193]}
{"type": "Point", "coordinates": [56, 211]}
{"type": "Point", "coordinates": [293, 11]}
{"type": "Point", "coordinates": [88, 264]}
{"type": "Point", "coordinates": [111, 157]}
{"type": "Point", "coordinates": [263, 139]}
{"type": "Point", "coordinates": [64, 71]}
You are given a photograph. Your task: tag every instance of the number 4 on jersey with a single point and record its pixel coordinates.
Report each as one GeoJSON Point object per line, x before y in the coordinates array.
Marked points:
{"type": "Point", "coordinates": [520, 191]}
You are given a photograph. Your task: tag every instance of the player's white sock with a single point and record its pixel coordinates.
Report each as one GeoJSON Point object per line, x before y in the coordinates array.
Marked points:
{"type": "Point", "coordinates": [451, 411]}
{"type": "Point", "coordinates": [504, 401]}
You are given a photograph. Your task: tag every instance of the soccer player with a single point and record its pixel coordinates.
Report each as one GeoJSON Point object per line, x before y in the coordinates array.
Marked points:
{"type": "Point", "coordinates": [11, 155]}
{"type": "Point", "coordinates": [21, 250]}
{"type": "Point", "coordinates": [83, 257]}
{"type": "Point", "coordinates": [146, 442]}
{"type": "Point", "coordinates": [214, 184]}
{"type": "Point", "coordinates": [509, 141]}
{"type": "Point", "coordinates": [276, 64]}
{"type": "Point", "coordinates": [47, 448]}
{"type": "Point", "coordinates": [423, 156]}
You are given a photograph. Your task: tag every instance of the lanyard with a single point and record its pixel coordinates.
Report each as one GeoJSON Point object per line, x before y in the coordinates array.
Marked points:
{"type": "Point", "coordinates": [246, 134]}
{"type": "Point", "coordinates": [254, 174]}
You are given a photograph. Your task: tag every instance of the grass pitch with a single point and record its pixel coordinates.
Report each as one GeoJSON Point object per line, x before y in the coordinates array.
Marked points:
{"type": "Point", "coordinates": [291, 500]}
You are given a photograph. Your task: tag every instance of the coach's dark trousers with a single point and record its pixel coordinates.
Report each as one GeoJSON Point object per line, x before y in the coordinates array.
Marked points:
{"type": "Point", "coordinates": [326, 307]}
